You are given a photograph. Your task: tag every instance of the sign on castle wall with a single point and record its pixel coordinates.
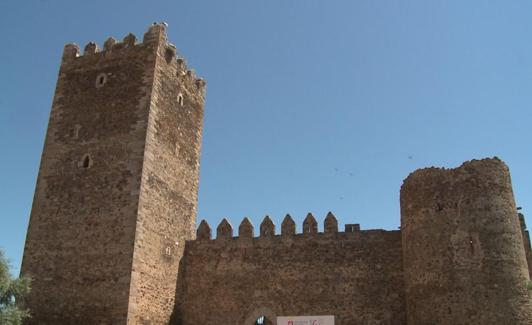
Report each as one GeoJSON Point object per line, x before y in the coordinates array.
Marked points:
{"type": "Point", "coordinates": [305, 320]}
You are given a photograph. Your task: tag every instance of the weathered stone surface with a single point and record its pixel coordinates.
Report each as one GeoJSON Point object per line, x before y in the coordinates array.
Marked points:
{"type": "Point", "coordinates": [330, 224]}
{"type": "Point", "coordinates": [245, 230]}
{"type": "Point", "coordinates": [169, 191]}
{"type": "Point", "coordinates": [267, 228]}
{"type": "Point", "coordinates": [356, 277]}
{"type": "Point", "coordinates": [288, 227]}
{"type": "Point", "coordinates": [116, 194]}
{"type": "Point", "coordinates": [70, 52]}
{"type": "Point", "coordinates": [224, 230]}
{"type": "Point", "coordinates": [204, 231]}
{"type": "Point", "coordinates": [108, 45]}
{"type": "Point", "coordinates": [130, 40]}
{"type": "Point", "coordinates": [310, 225]}
{"type": "Point", "coordinates": [463, 253]}
{"type": "Point", "coordinates": [352, 227]}
{"type": "Point", "coordinates": [526, 242]}
{"type": "Point", "coordinates": [90, 48]}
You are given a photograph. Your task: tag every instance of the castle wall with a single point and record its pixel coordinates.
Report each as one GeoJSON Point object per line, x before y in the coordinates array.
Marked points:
{"type": "Point", "coordinates": [113, 219]}
{"type": "Point", "coordinates": [463, 251]}
{"type": "Point", "coordinates": [169, 190]}
{"type": "Point", "coordinates": [79, 244]}
{"type": "Point", "coordinates": [356, 276]}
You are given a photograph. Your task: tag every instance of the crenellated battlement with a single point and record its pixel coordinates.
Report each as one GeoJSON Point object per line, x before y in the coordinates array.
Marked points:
{"type": "Point", "coordinates": [154, 39]}
{"type": "Point", "coordinates": [267, 229]}
{"type": "Point", "coordinates": [466, 167]}
{"type": "Point", "coordinates": [151, 37]}
{"type": "Point", "coordinates": [349, 274]}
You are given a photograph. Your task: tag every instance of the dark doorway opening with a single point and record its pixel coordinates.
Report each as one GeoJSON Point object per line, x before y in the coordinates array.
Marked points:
{"type": "Point", "coordinates": [262, 320]}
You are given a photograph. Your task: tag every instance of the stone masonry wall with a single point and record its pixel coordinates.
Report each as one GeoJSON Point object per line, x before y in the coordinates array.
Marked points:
{"type": "Point", "coordinates": [169, 189]}
{"type": "Point", "coordinates": [79, 245]}
{"type": "Point", "coordinates": [356, 275]}
{"type": "Point", "coordinates": [463, 252]}
{"type": "Point", "coordinates": [526, 242]}
{"type": "Point", "coordinates": [117, 189]}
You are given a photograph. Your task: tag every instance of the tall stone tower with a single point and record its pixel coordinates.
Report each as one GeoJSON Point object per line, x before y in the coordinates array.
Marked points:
{"type": "Point", "coordinates": [463, 252]}
{"type": "Point", "coordinates": [116, 195]}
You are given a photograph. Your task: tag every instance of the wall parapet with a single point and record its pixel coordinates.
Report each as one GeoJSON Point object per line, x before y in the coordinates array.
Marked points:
{"type": "Point", "coordinates": [355, 275]}
{"type": "Point", "coordinates": [155, 36]}
{"type": "Point", "coordinates": [72, 50]}
{"type": "Point", "coordinates": [267, 229]}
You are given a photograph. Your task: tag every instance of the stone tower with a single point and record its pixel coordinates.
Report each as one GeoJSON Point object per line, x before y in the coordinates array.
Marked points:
{"type": "Point", "coordinates": [116, 195]}
{"type": "Point", "coordinates": [463, 252]}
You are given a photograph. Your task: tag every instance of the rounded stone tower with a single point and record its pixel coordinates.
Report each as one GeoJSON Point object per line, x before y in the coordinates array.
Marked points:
{"type": "Point", "coordinates": [463, 253]}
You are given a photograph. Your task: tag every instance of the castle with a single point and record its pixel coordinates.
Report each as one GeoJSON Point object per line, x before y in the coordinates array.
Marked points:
{"type": "Point", "coordinates": [112, 237]}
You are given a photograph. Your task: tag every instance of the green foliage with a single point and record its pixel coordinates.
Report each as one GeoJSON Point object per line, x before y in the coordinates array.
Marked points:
{"type": "Point", "coordinates": [528, 285]}
{"type": "Point", "coordinates": [11, 291]}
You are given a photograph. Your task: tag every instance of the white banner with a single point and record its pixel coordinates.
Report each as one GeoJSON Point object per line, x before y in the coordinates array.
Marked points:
{"type": "Point", "coordinates": [305, 320]}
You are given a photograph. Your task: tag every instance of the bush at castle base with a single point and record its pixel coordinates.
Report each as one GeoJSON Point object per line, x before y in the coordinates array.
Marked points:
{"type": "Point", "coordinates": [11, 291]}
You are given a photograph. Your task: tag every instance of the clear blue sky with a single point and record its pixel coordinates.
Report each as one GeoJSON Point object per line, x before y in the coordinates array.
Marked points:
{"type": "Point", "coordinates": [311, 105]}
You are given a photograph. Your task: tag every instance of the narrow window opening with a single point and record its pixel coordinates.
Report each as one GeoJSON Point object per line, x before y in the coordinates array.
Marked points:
{"type": "Point", "coordinates": [101, 79]}
{"type": "Point", "coordinates": [85, 162]}
{"type": "Point", "coordinates": [76, 131]}
{"type": "Point", "coordinates": [180, 99]}
{"type": "Point", "coordinates": [168, 251]}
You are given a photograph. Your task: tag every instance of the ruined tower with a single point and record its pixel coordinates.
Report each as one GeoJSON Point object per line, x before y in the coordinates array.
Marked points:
{"type": "Point", "coordinates": [116, 195]}
{"type": "Point", "coordinates": [464, 257]}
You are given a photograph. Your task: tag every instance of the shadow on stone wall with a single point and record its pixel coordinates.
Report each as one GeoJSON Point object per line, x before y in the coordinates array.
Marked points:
{"type": "Point", "coordinates": [177, 315]}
